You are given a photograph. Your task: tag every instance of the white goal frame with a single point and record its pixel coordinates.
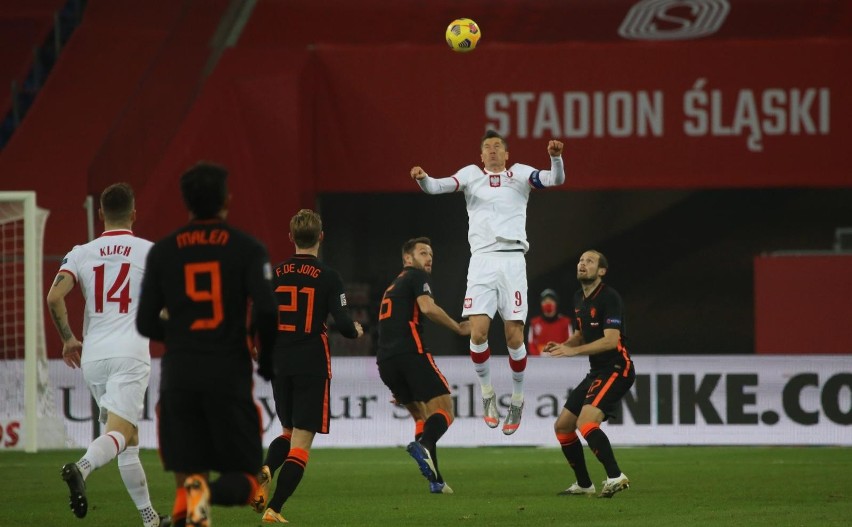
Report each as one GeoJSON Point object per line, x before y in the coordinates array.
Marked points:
{"type": "Point", "coordinates": [32, 312]}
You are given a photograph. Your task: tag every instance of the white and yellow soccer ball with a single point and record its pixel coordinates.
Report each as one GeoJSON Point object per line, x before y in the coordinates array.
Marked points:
{"type": "Point", "coordinates": [462, 35]}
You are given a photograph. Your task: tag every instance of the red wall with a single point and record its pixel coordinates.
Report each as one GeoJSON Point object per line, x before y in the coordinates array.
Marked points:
{"type": "Point", "coordinates": [256, 123]}
{"type": "Point", "coordinates": [803, 304]}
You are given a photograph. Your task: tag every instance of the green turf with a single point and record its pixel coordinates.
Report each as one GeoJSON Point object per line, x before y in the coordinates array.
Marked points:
{"type": "Point", "coordinates": [678, 486]}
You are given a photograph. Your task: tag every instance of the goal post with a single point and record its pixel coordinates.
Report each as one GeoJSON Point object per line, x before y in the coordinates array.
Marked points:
{"type": "Point", "coordinates": [28, 413]}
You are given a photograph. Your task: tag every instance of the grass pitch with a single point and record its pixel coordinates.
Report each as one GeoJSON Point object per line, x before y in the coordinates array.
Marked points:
{"type": "Point", "coordinates": [670, 486]}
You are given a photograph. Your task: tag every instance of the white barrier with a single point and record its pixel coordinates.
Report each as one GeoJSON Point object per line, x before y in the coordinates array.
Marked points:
{"type": "Point", "coordinates": [676, 400]}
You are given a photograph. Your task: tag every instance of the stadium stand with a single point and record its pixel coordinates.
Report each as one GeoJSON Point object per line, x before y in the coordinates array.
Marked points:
{"type": "Point", "coordinates": [31, 36]}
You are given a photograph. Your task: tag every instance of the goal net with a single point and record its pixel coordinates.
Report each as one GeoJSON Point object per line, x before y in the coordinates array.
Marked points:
{"type": "Point", "coordinates": [29, 415]}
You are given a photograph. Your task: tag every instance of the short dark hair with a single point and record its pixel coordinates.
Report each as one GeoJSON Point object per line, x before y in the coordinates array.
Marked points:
{"type": "Point", "coordinates": [205, 189]}
{"type": "Point", "coordinates": [490, 134]}
{"type": "Point", "coordinates": [117, 202]}
{"type": "Point", "coordinates": [602, 261]}
{"type": "Point", "coordinates": [305, 228]}
{"type": "Point", "coordinates": [408, 247]}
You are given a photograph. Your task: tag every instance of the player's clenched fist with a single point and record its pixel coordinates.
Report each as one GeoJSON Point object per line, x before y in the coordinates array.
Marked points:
{"type": "Point", "coordinates": [554, 148]}
{"type": "Point", "coordinates": [417, 174]}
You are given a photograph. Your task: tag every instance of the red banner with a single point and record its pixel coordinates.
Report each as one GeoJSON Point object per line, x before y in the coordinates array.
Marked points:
{"type": "Point", "coordinates": [652, 115]}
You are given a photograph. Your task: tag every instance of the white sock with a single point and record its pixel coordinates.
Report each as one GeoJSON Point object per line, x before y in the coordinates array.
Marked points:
{"type": "Point", "coordinates": [518, 354]}
{"type": "Point", "coordinates": [101, 451]}
{"type": "Point", "coordinates": [483, 369]}
{"type": "Point", "coordinates": [136, 484]}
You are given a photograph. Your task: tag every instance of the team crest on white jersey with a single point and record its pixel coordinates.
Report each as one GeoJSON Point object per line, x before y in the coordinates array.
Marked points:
{"type": "Point", "coordinates": [468, 303]}
{"type": "Point", "coordinates": [494, 180]}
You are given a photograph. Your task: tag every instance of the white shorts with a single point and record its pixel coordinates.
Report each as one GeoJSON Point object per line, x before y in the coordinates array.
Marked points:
{"type": "Point", "coordinates": [118, 385]}
{"type": "Point", "coordinates": [497, 282]}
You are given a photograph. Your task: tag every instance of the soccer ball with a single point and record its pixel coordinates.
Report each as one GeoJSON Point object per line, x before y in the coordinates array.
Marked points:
{"type": "Point", "coordinates": [462, 35]}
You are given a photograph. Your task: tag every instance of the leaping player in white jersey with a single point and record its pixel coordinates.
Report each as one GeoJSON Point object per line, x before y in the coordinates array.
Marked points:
{"type": "Point", "coordinates": [114, 357]}
{"type": "Point", "coordinates": [496, 200]}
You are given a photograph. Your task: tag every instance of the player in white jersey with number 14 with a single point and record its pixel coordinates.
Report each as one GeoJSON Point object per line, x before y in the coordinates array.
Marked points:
{"type": "Point", "coordinates": [114, 357]}
{"type": "Point", "coordinates": [497, 275]}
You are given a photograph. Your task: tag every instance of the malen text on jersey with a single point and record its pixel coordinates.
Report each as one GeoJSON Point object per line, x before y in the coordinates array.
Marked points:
{"type": "Point", "coordinates": [202, 237]}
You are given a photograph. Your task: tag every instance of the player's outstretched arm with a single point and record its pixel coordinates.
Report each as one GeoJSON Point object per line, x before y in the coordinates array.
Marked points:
{"type": "Point", "coordinates": [556, 175]}
{"type": "Point", "coordinates": [431, 185]}
{"type": "Point", "coordinates": [436, 314]}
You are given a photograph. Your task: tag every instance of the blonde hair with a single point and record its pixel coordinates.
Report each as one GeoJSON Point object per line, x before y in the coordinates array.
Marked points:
{"type": "Point", "coordinates": [305, 228]}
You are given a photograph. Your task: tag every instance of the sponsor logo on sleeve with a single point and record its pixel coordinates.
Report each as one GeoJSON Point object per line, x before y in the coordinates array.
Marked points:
{"type": "Point", "coordinates": [343, 300]}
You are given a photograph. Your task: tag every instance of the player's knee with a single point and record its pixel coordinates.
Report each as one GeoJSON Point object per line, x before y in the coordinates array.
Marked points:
{"type": "Point", "coordinates": [565, 425]}
{"type": "Point", "coordinates": [416, 412]}
{"type": "Point", "coordinates": [442, 403]}
{"type": "Point", "coordinates": [125, 428]}
{"type": "Point", "coordinates": [566, 421]}
{"type": "Point", "coordinates": [445, 403]}
{"type": "Point", "coordinates": [446, 414]}
{"type": "Point", "coordinates": [515, 339]}
{"type": "Point", "coordinates": [479, 325]}
{"type": "Point", "coordinates": [478, 337]}
{"type": "Point", "coordinates": [514, 333]}
{"type": "Point", "coordinates": [590, 414]}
